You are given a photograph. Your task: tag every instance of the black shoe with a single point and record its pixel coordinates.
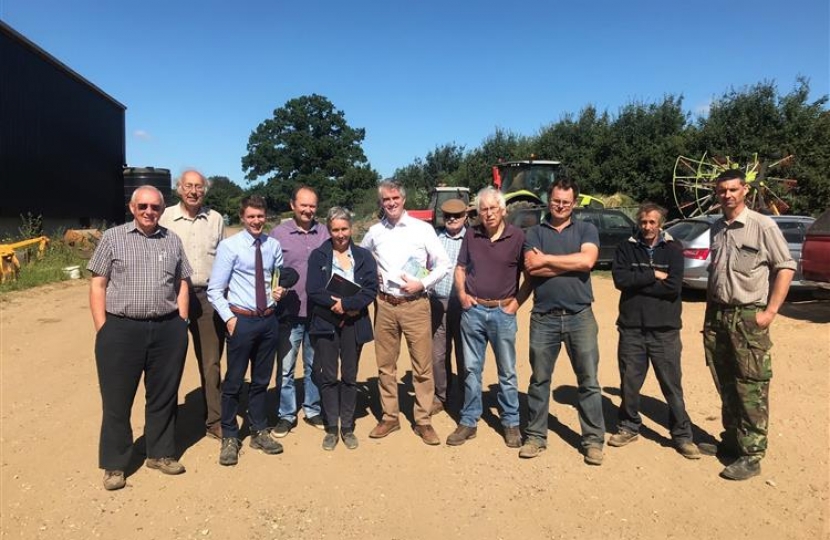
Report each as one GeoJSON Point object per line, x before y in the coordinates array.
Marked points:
{"type": "Point", "coordinates": [229, 455]}
{"type": "Point", "coordinates": [315, 421]}
{"type": "Point", "coordinates": [330, 441]}
{"type": "Point", "coordinates": [349, 439]}
{"type": "Point", "coordinates": [261, 440]}
{"type": "Point", "coordinates": [282, 428]}
{"type": "Point", "coordinates": [745, 468]}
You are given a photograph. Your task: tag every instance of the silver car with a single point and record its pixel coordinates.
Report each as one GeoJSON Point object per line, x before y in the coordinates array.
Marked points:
{"type": "Point", "coordinates": [693, 234]}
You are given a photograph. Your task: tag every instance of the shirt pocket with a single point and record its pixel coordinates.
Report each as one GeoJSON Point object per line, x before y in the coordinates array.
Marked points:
{"type": "Point", "coordinates": [746, 259]}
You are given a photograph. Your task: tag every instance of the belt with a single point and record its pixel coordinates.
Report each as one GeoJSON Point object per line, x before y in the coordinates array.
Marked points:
{"type": "Point", "coordinates": [491, 303]}
{"type": "Point", "coordinates": [563, 311]}
{"type": "Point", "coordinates": [170, 316]}
{"type": "Point", "coordinates": [740, 307]}
{"type": "Point", "coordinates": [398, 300]}
{"type": "Point", "coordinates": [252, 313]}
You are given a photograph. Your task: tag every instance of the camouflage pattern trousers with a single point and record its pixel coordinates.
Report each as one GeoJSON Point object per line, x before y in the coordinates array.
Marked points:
{"type": "Point", "coordinates": [737, 353]}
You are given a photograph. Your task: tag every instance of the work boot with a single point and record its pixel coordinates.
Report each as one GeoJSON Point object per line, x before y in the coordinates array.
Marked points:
{"type": "Point", "coordinates": [384, 428]}
{"type": "Point", "coordinates": [427, 434]}
{"type": "Point", "coordinates": [349, 439]}
{"type": "Point", "coordinates": [622, 437]}
{"type": "Point", "coordinates": [532, 448]}
{"type": "Point", "coordinates": [114, 480]}
{"type": "Point", "coordinates": [512, 437]}
{"type": "Point", "coordinates": [167, 465]}
{"type": "Point", "coordinates": [330, 440]}
{"type": "Point", "coordinates": [461, 434]}
{"type": "Point", "coordinates": [261, 440]}
{"type": "Point", "coordinates": [229, 455]}
{"type": "Point", "coordinates": [688, 450]}
{"type": "Point", "coordinates": [593, 455]}
{"type": "Point", "coordinates": [743, 469]}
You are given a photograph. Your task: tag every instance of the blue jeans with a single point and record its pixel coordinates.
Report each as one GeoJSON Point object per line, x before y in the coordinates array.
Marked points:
{"type": "Point", "coordinates": [578, 332]}
{"type": "Point", "coordinates": [293, 333]}
{"type": "Point", "coordinates": [479, 325]}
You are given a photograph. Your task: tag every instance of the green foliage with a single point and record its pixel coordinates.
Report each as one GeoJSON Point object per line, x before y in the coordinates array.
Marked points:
{"type": "Point", "coordinates": [438, 168]}
{"type": "Point", "coordinates": [308, 142]}
{"type": "Point", "coordinates": [48, 269]}
{"type": "Point", "coordinates": [224, 196]}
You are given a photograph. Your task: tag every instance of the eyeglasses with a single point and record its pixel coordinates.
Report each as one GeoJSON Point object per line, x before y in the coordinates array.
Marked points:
{"type": "Point", "coordinates": [560, 202]}
{"type": "Point", "coordinates": [452, 217]}
{"type": "Point", "coordinates": [490, 210]}
{"type": "Point", "coordinates": [154, 207]}
{"type": "Point", "coordinates": [193, 187]}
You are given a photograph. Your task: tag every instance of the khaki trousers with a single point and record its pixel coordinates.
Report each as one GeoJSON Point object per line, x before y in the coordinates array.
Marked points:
{"type": "Point", "coordinates": [413, 320]}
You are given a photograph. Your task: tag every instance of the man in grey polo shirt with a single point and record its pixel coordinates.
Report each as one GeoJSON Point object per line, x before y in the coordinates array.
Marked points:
{"type": "Point", "coordinates": [747, 248]}
{"type": "Point", "coordinates": [559, 256]}
{"type": "Point", "coordinates": [138, 297]}
{"type": "Point", "coordinates": [201, 229]}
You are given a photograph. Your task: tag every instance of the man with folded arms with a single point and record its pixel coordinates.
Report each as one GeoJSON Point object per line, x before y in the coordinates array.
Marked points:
{"type": "Point", "coordinates": [201, 229]}
{"type": "Point", "coordinates": [487, 282]}
{"type": "Point", "coordinates": [410, 260]}
{"type": "Point", "coordinates": [244, 264]}
{"type": "Point", "coordinates": [138, 297]}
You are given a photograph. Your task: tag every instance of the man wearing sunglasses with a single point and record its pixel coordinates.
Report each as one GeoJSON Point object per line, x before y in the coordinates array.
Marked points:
{"type": "Point", "coordinates": [201, 229]}
{"type": "Point", "coordinates": [446, 309]}
{"type": "Point", "coordinates": [139, 302]}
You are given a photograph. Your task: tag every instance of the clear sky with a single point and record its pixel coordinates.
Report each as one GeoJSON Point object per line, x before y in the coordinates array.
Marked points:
{"type": "Point", "coordinates": [198, 77]}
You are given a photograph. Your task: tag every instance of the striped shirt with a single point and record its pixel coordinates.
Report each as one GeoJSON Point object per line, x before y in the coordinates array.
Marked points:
{"type": "Point", "coordinates": [452, 244]}
{"type": "Point", "coordinates": [143, 272]}
{"type": "Point", "coordinates": [743, 253]}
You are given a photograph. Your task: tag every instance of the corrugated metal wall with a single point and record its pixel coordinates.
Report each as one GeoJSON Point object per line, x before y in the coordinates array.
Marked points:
{"type": "Point", "coordinates": [62, 145]}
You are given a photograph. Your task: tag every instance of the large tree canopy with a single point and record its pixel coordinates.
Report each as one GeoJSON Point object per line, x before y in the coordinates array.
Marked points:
{"type": "Point", "coordinates": [308, 141]}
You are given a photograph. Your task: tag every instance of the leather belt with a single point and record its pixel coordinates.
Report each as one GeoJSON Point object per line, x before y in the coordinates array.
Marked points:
{"type": "Point", "coordinates": [169, 317]}
{"type": "Point", "coordinates": [252, 313]}
{"type": "Point", "coordinates": [739, 307]}
{"type": "Point", "coordinates": [563, 311]}
{"type": "Point", "coordinates": [398, 300]}
{"type": "Point", "coordinates": [491, 303]}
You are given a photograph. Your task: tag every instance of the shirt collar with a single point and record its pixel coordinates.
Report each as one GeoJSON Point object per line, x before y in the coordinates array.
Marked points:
{"type": "Point", "coordinates": [132, 227]}
{"type": "Point", "coordinates": [178, 212]}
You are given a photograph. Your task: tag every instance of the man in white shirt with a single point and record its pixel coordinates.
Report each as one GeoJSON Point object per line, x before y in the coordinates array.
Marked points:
{"type": "Point", "coordinates": [410, 261]}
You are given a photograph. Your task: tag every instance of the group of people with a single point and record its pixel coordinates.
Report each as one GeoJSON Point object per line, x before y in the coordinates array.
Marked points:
{"type": "Point", "coordinates": [308, 286]}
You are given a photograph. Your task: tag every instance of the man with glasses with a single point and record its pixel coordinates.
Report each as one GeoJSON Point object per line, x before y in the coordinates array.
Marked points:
{"type": "Point", "coordinates": [201, 229]}
{"type": "Point", "coordinates": [138, 297]}
{"type": "Point", "coordinates": [446, 309]}
{"type": "Point", "coordinates": [487, 282]}
{"type": "Point", "coordinates": [559, 255]}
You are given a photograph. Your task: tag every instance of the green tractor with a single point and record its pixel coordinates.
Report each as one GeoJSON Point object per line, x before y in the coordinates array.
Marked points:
{"type": "Point", "coordinates": [525, 185]}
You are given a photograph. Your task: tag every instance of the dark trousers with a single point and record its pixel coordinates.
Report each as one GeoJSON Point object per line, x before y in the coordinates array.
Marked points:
{"type": "Point", "coordinates": [446, 336]}
{"type": "Point", "coordinates": [254, 340]}
{"type": "Point", "coordinates": [124, 350]}
{"type": "Point", "coordinates": [339, 396]}
{"type": "Point", "coordinates": [208, 333]}
{"type": "Point", "coordinates": [636, 346]}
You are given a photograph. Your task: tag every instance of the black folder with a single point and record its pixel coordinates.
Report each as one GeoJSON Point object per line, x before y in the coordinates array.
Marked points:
{"type": "Point", "coordinates": [341, 288]}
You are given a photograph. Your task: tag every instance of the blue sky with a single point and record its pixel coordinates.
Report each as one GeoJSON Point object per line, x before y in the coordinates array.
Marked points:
{"type": "Point", "coordinates": [198, 77]}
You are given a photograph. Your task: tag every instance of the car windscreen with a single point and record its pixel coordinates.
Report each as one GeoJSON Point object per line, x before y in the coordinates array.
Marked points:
{"type": "Point", "coordinates": [688, 230]}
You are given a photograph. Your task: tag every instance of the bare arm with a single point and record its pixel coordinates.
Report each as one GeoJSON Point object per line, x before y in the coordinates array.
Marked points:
{"type": "Point", "coordinates": [466, 300]}
{"type": "Point", "coordinates": [780, 288]}
{"type": "Point", "coordinates": [540, 264]}
{"type": "Point", "coordinates": [98, 300]}
{"type": "Point", "coordinates": [183, 299]}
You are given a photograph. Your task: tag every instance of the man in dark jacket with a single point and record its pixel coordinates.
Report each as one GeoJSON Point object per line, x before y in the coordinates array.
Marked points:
{"type": "Point", "coordinates": [648, 271]}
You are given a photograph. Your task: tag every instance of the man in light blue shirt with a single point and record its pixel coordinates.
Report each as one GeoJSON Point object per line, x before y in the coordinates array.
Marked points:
{"type": "Point", "coordinates": [244, 265]}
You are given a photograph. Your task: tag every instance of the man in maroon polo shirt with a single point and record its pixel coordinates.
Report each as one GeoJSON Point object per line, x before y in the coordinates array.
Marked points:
{"type": "Point", "coordinates": [487, 281]}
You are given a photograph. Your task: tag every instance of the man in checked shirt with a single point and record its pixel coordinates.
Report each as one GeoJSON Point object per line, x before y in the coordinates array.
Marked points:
{"type": "Point", "coordinates": [139, 302]}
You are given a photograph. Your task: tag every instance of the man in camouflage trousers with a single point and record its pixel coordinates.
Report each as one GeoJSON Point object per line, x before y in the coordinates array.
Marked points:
{"type": "Point", "coordinates": [741, 305]}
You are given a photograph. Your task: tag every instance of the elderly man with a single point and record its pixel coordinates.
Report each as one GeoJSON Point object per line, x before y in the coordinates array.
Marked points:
{"type": "Point", "coordinates": [410, 261]}
{"type": "Point", "coordinates": [244, 265]}
{"type": "Point", "coordinates": [445, 307]}
{"type": "Point", "coordinates": [747, 248]}
{"type": "Point", "coordinates": [487, 282]}
{"type": "Point", "coordinates": [298, 237]}
{"type": "Point", "coordinates": [139, 302]}
{"type": "Point", "coordinates": [648, 271]}
{"type": "Point", "coordinates": [559, 256]}
{"type": "Point", "coordinates": [201, 229]}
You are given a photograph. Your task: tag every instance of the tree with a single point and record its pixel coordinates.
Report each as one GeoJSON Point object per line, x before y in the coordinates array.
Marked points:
{"type": "Point", "coordinates": [224, 196]}
{"type": "Point", "coordinates": [439, 167]}
{"type": "Point", "coordinates": [309, 142]}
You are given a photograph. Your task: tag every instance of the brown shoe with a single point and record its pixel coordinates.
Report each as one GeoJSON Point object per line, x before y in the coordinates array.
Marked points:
{"type": "Point", "coordinates": [437, 407]}
{"type": "Point", "coordinates": [167, 465]}
{"type": "Point", "coordinates": [593, 455]}
{"type": "Point", "coordinates": [427, 434]}
{"type": "Point", "coordinates": [114, 480]}
{"type": "Point", "coordinates": [384, 428]}
{"type": "Point", "coordinates": [512, 437]}
{"type": "Point", "coordinates": [214, 432]}
{"type": "Point", "coordinates": [461, 435]}
{"type": "Point", "coordinates": [688, 450]}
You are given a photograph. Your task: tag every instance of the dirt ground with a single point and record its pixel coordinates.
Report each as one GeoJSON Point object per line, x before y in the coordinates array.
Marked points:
{"type": "Point", "coordinates": [399, 488]}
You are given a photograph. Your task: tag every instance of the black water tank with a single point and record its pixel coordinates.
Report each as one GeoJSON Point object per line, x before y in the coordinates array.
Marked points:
{"type": "Point", "coordinates": [135, 177]}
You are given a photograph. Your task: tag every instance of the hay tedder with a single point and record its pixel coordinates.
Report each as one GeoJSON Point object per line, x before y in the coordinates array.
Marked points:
{"type": "Point", "coordinates": [10, 262]}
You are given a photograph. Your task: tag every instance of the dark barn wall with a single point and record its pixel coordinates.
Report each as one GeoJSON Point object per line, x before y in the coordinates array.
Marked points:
{"type": "Point", "coordinates": [62, 145]}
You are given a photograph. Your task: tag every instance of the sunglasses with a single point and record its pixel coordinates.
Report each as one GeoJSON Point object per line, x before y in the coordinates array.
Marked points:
{"type": "Point", "coordinates": [448, 217]}
{"type": "Point", "coordinates": [153, 207]}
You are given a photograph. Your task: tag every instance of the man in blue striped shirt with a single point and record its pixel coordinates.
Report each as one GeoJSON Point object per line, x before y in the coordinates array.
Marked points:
{"type": "Point", "coordinates": [244, 264]}
{"type": "Point", "coordinates": [446, 309]}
